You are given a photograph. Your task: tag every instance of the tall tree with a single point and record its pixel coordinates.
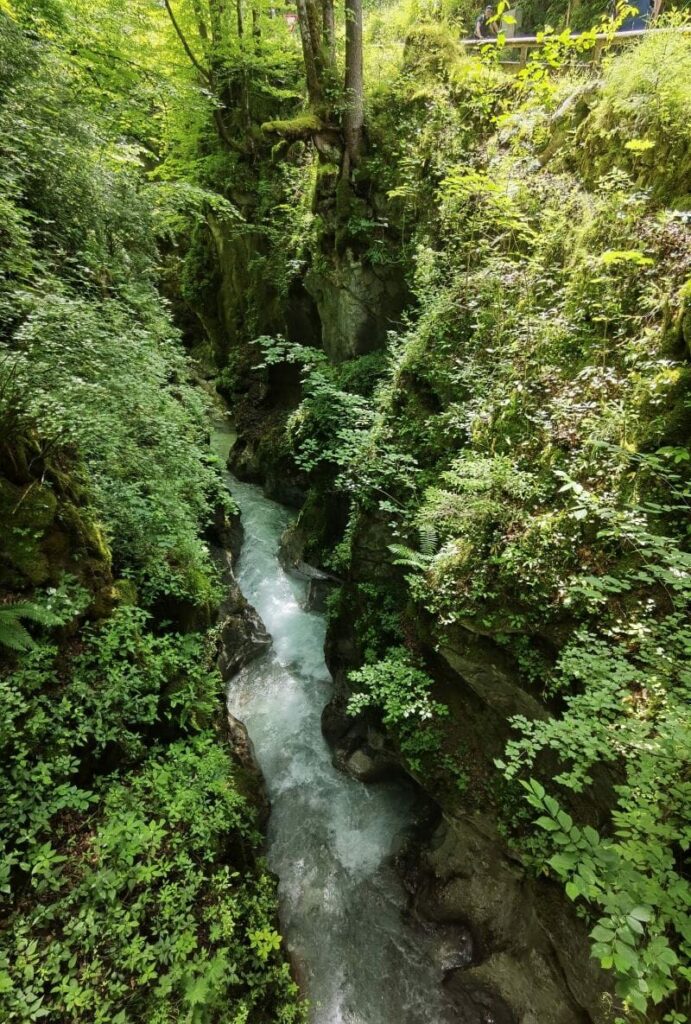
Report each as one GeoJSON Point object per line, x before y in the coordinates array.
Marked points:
{"type": "Point", "coordinates": [317, 31]}
{"type": "Point", "coordinates": [354, 81]}
{"type": "Point", "coordinates": [329, 36]}
{"type": "Point", "coordinates": [310, 51]}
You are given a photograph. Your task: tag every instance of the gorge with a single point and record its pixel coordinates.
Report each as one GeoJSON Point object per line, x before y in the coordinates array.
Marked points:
{"type": "Point", "coordinates": [344, 486]}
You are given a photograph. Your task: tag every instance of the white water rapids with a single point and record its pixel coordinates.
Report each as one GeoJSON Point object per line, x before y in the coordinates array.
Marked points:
{"type": "Point", "coordinates": [329, 837]}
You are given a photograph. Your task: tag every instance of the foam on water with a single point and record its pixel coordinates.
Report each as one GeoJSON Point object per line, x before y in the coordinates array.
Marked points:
{"type": "Point", "coordinates": [329, 837]}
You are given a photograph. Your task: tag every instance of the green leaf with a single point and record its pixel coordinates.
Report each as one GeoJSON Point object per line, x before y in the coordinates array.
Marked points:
{"type": "Point", "coordinates": [641, 913]}
{"type": "Point", "coordinates": [548, 824]}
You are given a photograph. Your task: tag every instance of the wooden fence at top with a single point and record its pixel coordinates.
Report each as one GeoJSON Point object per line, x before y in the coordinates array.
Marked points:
{"type": "Point", "coordinates": [603, 41]}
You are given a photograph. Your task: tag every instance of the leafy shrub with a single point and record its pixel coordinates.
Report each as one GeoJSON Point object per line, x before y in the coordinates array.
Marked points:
{"type": "Point", "coordinates": [131, 879]}
{"type": "Point", "coordinates": [142, 917]}
{"type": "Point", "coordinates": [541, 393]}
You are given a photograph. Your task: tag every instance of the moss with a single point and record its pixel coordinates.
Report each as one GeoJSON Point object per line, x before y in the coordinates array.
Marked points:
{"type": "Point", "coordinates": [125, 592]}
{"type": "Point", "coordinates": [684, 321]}
{"type": "Point", "coordinates": [432, 47]}
{"type": "Point", "coordinates": [46, 535]}
{"type": "Point", "coordinates": [87, 533]}
{"type": "Point", "coordinates": [295, 127]}
{"type": "Point", "coordinates": [28, 512]}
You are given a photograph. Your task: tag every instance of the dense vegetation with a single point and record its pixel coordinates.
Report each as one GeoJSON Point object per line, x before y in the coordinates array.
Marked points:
{"type": "Point", "coordinates": [131, 877]}
{"type": "Point", "coordinates": [450, 306]}
{"type": "Point", "coordinates": [520, 455]}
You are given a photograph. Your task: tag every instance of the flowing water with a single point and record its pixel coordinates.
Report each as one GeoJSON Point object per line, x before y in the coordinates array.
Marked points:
{"type": "Point", "coordinates": [329, 837]}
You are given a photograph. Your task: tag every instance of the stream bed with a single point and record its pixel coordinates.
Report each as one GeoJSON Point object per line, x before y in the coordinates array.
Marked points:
{"type": "Point", "coordinates": [329, 837]}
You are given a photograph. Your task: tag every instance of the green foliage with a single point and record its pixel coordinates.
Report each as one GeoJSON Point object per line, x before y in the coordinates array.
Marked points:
{"type": "Point", "coordinates": [59, 713]}
{"type": "Point", "coordinates": [541, 395]}
{"type": "Point", "coordinates": [13, 633]}
{"type": "Point", "coordinates": [131, 880]}
{"type": "Point", "coordinates": [642, 120]}
{"type": "Point", "coordinates": [632, 882]}
{"type": "Point", "coordinates": [152, 923]}
{"type": "Point", "coordinates": [397, 687]}
{"type": "Point", "coordinates": [627, 692]}
{"type": "Point", "coordinates": [400, 692]}
{"type": "Point", "coordinates": [151, 484]}
{"type": "Point", "coordinates": [90, 352]}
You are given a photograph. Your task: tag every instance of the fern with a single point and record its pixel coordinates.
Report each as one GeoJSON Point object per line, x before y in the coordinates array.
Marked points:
{"type": "Point", "coordinates": [406, 556]}
{"type": "Point", "coordinates": [13, 633]}
{"type": "Point", "coordinates": [428, 539]}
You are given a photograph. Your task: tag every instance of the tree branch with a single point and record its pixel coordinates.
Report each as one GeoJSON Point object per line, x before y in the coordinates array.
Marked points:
{"type": "Point", "coordinates": [186, 46]}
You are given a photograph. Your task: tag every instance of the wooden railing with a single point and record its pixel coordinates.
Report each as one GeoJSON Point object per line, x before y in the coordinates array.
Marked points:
{"type": "Point", "coordinates": [603, 40]}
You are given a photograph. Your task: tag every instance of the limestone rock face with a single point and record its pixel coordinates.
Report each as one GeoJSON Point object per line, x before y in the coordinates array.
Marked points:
{"type": "Point", "coordinates": [248, 775]}
{"type": "Point", "coordinates": [533, 953]}
{"type": "Point", "coordinates": [245, 294]}
{"type": "Point", "coordinates": [492, 677]}
{"type": "Point", "coordinates": [357, 305]}
{"type": "Point", "coordinates": [242, 633]}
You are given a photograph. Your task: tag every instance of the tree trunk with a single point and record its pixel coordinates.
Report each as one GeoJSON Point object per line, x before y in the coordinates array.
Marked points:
{"type": "Point", "coordinates": [314, 89]}
{"type": "Point", "coordinates": [203, 73]}
{"type": "Point", "coordinates": [354, 80]}
{"type": "Point", "coordinates": [217, 14]}
{"type": "Point", "coordinates": [201, 27]}
{"type": "Point", "coordinates": [329, 33]}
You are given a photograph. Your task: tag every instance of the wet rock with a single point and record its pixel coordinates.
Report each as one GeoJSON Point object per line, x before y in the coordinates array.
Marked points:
{"type": "Point", "coordinates": [335, 721]}
{"type": "Point", "coordinates": [226, 532]}
{"type": "Point", "coordinates": [248, 776]}
{"type": "Point", "coordinates": [489, 672]}
{"type": "Point", "coordinates": [318, 592]}
{"type": "Point", "coordinates": [357, 305]}
{"type": "Point", "coordinates": [242, 638]}
{"type": "Point", "coordinates": [453, 947]}
{"type": "Point", "coordinates": [479, 1005]}
{"type": "Point", "coordinates": [318, 527]}
{"type": "Point", "coordinates": [244, 462]}
{"type": "Point", "coordinates": [370, 558]}
{"type": "Point", "coordinates": [368, 765]}
{"type": "Point", "coordinates": [283, 484]}
{"type": "Point", "coordinates": [524, 955]}
{"type": "Point", "coordinates": [319, 584]}
{"type": "Point", "coordinates": [242, 635]}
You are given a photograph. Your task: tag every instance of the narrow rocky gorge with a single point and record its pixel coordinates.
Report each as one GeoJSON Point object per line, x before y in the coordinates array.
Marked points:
{"type": "Point", "coordinates": [360, 950]}
{"type": "Point", "coordinates": [345, 468]}
{"type": "Point", "coordinates": [500, 946]}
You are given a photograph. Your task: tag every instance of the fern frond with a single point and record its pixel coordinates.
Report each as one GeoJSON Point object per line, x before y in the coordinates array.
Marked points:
{"type": "Point", "coordinates": [32, 612]}
{"type": "Point", "coordinates": [428, 539]}
{"type": "Point", "coordinates": [408, 557]}
{"type": "Point", "coordinates": [12, 633]}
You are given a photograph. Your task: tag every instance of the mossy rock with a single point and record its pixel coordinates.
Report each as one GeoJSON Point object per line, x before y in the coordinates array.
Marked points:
{"type": "Point", "coordinates": [45, 535]}
{"type": "Point", "coordinates": [125, 593]}
{"type": "Point", "coordinates": [684, 322]}
{"type": "Point", "coordinates": [670, 424]}
{"type": "Point", "coordinates": [325, 187]}
{"type": "Point", "coordinates": [301, 127]}
{"type": "Point", "coordinates": [86, 532]}
{"type": "Point", "coordinates": [27, 513]}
